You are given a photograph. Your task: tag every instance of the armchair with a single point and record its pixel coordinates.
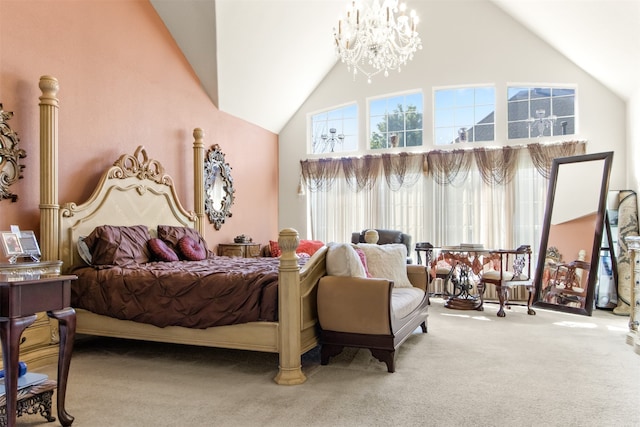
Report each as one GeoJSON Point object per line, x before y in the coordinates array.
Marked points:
{"type": "Point", "coordinates": [511, 268]}
{"type": "Point", "coordinates": [386, 237]}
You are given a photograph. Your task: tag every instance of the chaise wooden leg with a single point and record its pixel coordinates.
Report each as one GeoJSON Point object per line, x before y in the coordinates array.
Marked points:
{"type": "Point", "coordinates": [423, 325]}
{"type": "Point", "coordinates": [386, 356]}
{"type": "Point", "coordinates": [327, 351]}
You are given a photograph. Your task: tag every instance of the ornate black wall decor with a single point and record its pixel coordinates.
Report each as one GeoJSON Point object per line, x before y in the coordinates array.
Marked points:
{"type": "Point", "coordinates": [10, 155]}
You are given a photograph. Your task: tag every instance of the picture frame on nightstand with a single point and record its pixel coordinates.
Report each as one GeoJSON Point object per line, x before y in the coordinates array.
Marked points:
{"type": "Point", "coordinates": [20, 244]}
{"type": "Point", "coordinates": [11, 244]}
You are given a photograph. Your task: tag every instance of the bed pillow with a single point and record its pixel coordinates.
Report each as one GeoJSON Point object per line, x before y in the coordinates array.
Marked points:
{"type": "Point", "coordinates": [343, 260]}
{"type": "Point", "coordinates": [119, 245]}
{"type": "Point", "coordinates": [191, 249]}
{"type": "Point", "coordinates": [83, 250]}
{"type": "Point", "coordinates": [387, 262]}
{"type": "Point", "coordinates": [172, 234]}
{"type": "Point", "coordinates": [160, 251]}
{"type": "Point", "coordinates": [308, 247]}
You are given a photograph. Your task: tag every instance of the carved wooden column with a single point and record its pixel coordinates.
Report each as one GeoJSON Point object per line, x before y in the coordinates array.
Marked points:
{"type": "Point", "coordinates": [289, 311]}
{"type": "Point", "coordinates": [49, 207]}
{"type": "Point", "coordinates": [198, 177]}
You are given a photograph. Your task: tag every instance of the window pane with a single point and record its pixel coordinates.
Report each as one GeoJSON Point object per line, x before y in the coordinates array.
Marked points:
{"type": "Point", "coordinates": [518, 110]}
{"type": "Point", "coordinates": [541, 105]}
{"type": "Point", "coordinates": [485, 95]}
{"type": "Point", "coordinates": [517, 93]}
{"type": "Point", "coordinates": [416, 101]}
{"type": "Point", "coordinates": [565, 126]}
{"type": "Point", "coordinates": [518, 130]}
{"type": "Point", "coordinates": [444, 99]}
{"type": "Point", "coordinates": [403, 113]}
{"type": "Point", "coordinates": [549, 102]}
{"type": "Point", "coordinates": [464, 97]}
{"type": "Point", "coordinates": [484, 114]}
{"type": "Point", "coordinates": [444, 117]}
{"type": "Point", "coordinates": [334, 130]}
{"type": "Point", "coordinates": [464, 117]}
{"type": "Point", "coordinates": [471, 106]}
{"type": "Point", "coordinates": [540, 92]}
{"type": "Point", "coordinates": [414, 138]}
{"type": "Point", "coordinates": [564, 106]}
{"type": "Point", "coordinates": [444, 136]}
{"type": "Point", "coordinates": [483, 133]}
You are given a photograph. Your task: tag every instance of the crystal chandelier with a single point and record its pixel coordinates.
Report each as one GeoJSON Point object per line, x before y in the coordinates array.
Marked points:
{"type": "Point", "coordinates": [540, 123]}
{"type": "Point", "coordinates": [376, 38]}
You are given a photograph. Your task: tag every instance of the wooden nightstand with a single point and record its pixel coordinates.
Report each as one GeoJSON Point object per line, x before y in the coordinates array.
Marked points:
{"type": "Point", "coordinates": [39, 346]}
{"type": "Point", "coordinates": [20, 298]}
{"type": "Point", "coordinates": [243, 250]}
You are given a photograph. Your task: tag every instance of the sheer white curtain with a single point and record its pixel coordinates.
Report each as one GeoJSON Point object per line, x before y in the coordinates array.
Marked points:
{"type": "Point", "coordinates": [336, 213]}
{"type": "Point", "coordinates": [497, 216]}
{"type": "Point", "coordinates": [465, 211]}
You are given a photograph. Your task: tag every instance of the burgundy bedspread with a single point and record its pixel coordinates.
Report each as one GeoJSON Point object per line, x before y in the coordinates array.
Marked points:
{"type": "Point", "coordinates": [195, 294]}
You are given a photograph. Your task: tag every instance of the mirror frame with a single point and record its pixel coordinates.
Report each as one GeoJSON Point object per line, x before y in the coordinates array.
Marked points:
{"type": "Point", "coordinates": [215, 163]}
{"type": "Point", "coordinates": [607, 158]}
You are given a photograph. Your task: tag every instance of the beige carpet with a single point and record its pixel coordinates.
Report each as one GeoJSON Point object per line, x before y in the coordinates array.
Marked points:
{"type": "Point", "coordinates": [471, 369]}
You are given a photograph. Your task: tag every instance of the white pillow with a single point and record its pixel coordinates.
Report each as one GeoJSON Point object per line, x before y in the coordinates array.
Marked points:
{"type": "Point", "coordinates": [387, 262]}
{"type": "Point", "coordinates": [343, 260]}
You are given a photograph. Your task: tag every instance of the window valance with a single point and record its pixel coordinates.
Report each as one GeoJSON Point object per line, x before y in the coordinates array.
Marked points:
{"type": "Point", "coordinates": [497, 166]}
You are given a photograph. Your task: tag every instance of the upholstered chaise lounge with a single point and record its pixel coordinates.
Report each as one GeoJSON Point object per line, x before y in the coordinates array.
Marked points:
{"type": "Point", "coordinates": [373, 313]}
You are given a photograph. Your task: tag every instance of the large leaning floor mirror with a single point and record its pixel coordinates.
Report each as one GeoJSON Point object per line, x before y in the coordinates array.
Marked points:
{"type": "Point", "coordinates": [567, 269]}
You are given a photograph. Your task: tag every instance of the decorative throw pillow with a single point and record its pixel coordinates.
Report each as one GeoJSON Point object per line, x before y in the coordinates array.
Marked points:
{"type": "Point", "coordinates": [363, 260]}
{"type": "Point", "coordinates": [274, 248]}
{"type": "Point", "coordinates": [172, 234]}
{"type": "Point", "coordinates": [387, 262]}
{"type": "Point", "coordinates": [343, 260]}
{"type": "Point", "coordinates": [308, 247]}
{"type": "Point", "coordinates": [160, 250]}
{"type": "Point", "coordinates": [191, 249]}
{"type": "Point", "coordinates": [118, 245]}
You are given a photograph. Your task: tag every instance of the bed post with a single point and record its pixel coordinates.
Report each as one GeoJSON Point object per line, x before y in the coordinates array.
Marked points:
{"type": "Point", "coordinates": [49, 207]}
{"type": "Point", "coordinates": [198, 178]}
{"type": "Point", "coordinates": [289, 311]}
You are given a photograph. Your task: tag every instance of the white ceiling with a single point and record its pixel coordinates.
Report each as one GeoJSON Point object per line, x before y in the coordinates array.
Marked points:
{"type": "Point", "coordinates": [260, 59]}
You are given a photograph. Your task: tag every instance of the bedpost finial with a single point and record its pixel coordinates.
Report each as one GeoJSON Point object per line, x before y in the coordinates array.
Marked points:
{"type": "Point", "coordinates": [288, 241]}
{"type": "Point", "coordinates": [49, 87]}
{"type": "Point", "coordinates": [198, 134]}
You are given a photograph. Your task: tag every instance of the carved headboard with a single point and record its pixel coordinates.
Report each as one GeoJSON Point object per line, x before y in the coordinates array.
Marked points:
{"type": "Point", "coordinates": [135, 190]}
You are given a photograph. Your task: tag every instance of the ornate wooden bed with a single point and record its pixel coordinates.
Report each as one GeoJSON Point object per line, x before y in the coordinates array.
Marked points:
{"type": "Point", "coordinates": [136, 190]}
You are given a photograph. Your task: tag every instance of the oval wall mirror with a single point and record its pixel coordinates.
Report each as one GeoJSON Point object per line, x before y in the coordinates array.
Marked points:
{"type": "Point", "coordinates": [218, 187]}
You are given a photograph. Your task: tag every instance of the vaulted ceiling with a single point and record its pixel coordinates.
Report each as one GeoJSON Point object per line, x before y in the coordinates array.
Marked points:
{"type": "Point", "coordinates": [260, 59]}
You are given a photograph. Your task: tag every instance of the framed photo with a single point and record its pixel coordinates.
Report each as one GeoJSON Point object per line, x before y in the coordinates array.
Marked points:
{"type": "Point", "coordinates": [29, 244]}
{"type": "Point", "coordinates": [11, 244]}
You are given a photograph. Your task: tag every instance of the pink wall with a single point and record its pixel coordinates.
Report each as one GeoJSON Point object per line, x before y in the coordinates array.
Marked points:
{"type": "Point", "coordinates": [123, 82]}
